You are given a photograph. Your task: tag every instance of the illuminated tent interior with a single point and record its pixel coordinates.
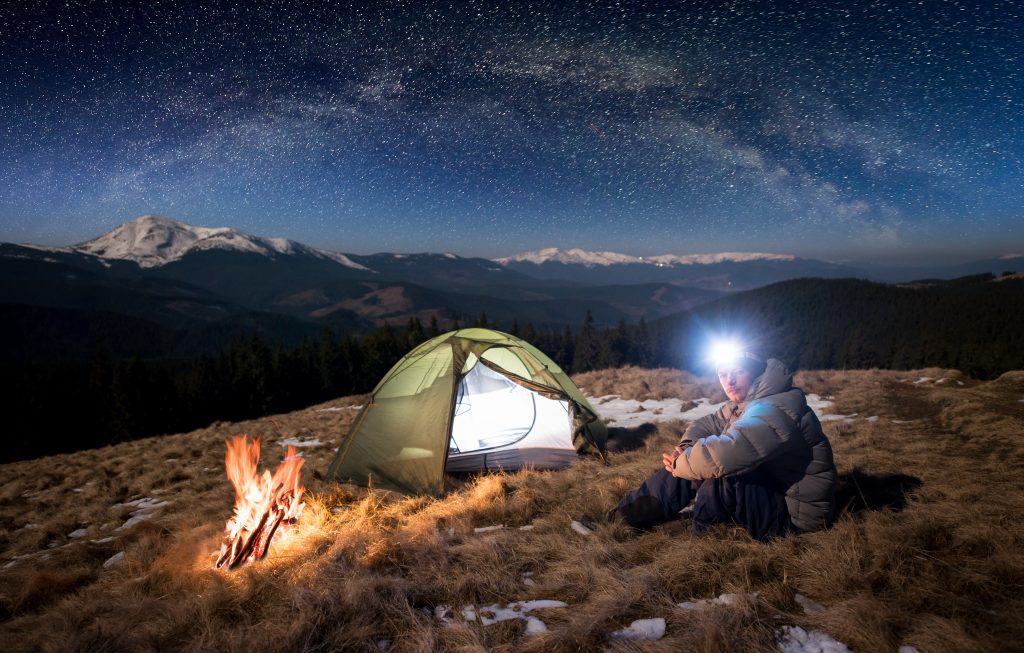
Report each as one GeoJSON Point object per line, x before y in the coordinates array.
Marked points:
{"type": "Point", "coordinates": [468, 400]}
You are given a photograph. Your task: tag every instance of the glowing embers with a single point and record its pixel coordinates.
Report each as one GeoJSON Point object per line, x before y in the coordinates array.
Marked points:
{"type": "Point", "coordinates": [262, 502]}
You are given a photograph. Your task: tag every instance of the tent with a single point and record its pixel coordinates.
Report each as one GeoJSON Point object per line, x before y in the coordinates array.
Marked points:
{"type": "Point", "coordinates": [467, 400]}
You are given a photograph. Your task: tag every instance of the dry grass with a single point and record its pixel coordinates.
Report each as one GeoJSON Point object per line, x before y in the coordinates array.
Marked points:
{"type": "Point", "coordinates": [946, 573]}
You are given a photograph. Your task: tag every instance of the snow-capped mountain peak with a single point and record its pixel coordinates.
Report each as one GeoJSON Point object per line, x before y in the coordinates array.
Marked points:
{"type": "Point", "coordinates": [152, 241]}
{"type": "Point", "coordinates": [592, 259]}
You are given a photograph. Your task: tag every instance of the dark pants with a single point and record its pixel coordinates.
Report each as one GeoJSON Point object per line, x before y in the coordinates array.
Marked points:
{"type": "Point", "coordinates": [752, 500]}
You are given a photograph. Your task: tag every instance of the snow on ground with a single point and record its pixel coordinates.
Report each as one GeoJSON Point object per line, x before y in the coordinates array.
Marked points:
{"type": "Point", "coordinates": [818, 405]}
{"type": "Point", "coordinates": [790, 639]}
{"type": "Point", "coordinates": [794, 639]}
{"type": "Point", "coordinates": [336, 409]}
{"type": "Point", "coordinates": [629, 413]}
{"type": "Point", "coordinates": [492, 614]}
{"type": "Point", "coordinates": [298, 444]}
{"type": "Point", "coordinates": [488, 529]}
{"type": "Point", "coordinates": [642, 629]}
{"type": "Point", "coordinates": [144, 510]}
{"type": "Point", "coordinates": [809, 606]}
{"type": "Point", "coordinates": [728, 598]}
{"type": "Point", "coordinates": [580, 528]}
{"type": "Point", "coordinates": [113, 560]}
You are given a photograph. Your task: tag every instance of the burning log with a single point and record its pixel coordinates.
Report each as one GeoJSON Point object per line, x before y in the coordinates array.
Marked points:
{"type": "Point", "coordinates": [262, 502]}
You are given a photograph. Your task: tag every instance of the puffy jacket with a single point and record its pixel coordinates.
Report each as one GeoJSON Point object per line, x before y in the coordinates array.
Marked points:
{"type": "Point", "coordinates": [774, 429]}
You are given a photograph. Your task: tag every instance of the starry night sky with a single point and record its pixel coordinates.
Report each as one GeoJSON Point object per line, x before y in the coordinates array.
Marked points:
{"type": "Point", "coordinates": [886, 130]}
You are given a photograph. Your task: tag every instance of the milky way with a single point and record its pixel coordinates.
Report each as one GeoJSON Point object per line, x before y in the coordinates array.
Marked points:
{"type": "Point", "coordinates": [827, 129]}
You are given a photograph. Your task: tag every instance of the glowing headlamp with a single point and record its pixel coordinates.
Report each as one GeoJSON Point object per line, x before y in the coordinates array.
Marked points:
{"type": "Point", "coordinates": [729, 353]}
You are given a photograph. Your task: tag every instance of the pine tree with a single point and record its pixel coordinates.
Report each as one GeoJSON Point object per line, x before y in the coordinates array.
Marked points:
{"type": "Point", "coordinates": [587, 352]}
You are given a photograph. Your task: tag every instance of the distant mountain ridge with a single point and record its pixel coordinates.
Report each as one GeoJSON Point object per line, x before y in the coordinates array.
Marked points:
{"type": "Point", "coordinates": [152, 241]}
{"type": "Point", "coordinates": [587, 258]}
{"type": "Point", "coordinates": [189, 277]}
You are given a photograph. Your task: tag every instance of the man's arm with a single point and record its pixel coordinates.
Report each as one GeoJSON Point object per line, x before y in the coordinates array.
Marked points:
{"type": "Point", "coordinates": [762, 433]}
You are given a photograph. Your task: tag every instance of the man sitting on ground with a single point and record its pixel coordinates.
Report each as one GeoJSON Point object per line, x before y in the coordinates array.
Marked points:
{"type": "Point", "coordinates": [761, 460]}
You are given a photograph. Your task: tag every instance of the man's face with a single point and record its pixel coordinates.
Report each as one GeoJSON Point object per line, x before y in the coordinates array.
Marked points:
{"type": "Point", "coordinates": [735, 381]}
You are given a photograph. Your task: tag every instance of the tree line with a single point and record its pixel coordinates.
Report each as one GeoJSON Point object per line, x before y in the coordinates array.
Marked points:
{"type": "Point", "coordinates": [974, 325]}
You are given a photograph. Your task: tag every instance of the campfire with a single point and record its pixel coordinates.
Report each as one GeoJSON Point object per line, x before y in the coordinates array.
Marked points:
{"type": "Point", "coordinates": [262, 502]}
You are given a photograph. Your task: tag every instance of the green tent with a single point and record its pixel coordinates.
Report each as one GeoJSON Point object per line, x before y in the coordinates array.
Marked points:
{"type": "Point", "coordinates": [467, 400]}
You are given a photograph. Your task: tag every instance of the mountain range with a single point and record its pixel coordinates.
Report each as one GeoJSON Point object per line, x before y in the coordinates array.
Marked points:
{"type": "Point", "coordinates": [190, 288]}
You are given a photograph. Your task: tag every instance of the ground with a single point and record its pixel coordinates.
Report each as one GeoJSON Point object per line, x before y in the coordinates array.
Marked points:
{"type": "Point", "coordinates": [112, 549]}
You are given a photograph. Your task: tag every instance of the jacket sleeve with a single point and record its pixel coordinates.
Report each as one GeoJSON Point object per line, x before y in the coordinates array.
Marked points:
{"type": "Point", "coordinates": [707, 425]}
{"type": "Point", "coordinates": [763, 432]}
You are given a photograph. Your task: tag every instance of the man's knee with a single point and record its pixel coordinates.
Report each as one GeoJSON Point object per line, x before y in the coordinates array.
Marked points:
{"type": "Point", "coordinates": [744, 499]}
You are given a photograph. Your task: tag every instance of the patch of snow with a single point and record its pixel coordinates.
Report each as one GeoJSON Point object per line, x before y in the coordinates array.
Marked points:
{"type": "Point", "coordinates": [488, 529]}
{"type": "Point", "coordinates": [528, 527]}
{"type": "Point", "coordinates": [78, 489]}
{"type": "Point", "coordinates": [104, 540]}
{"type": "Point", "coordinates": [580, 528]}
{"type": "Point", "coordinates": [809, 606]}
{"type": "Point", "coordinates": [153, 241]}
{"type": "Point", "coordinates": [838, 418]}
{"type": "Point", "coordinates": [728, 598]}
{"type": "Point", "coordinates": [144, 509]}
{"type": "Point", "coordinates": [576, 256]}
{"type": "Point", "coordinates": [340, 258]}
{"type": "Point", "coordinates": [295, 442]}
{"type": "Point", "coordinates": [642, 629]}
{"type": "Point", "coordinates": [872, 419]}
{"type": "Point", "coordinates": [492, 614]}
{"type": "Point", "coordinates": [81, 532]}
{"type": "Point", "coordinates": [115, 559]}
{"type": "Point", "coordinates": [794, 639]}
{"type": "Point", "coordinates": [535, 626]}
{"type": "Point", "coordinates": [909, 421]}
{"type": "Point", "coordinates": [817, 404]}
{"type": "Point", "coordinates": [144, 503]}
{"type": "Point", "coordinates": [443, 613]}
{"type": "Point", "coordinates": [336, 409]}
{"type": "Point", "coordinates": [923, 379]}
{"type": "Point", "coordinates": [628, 413]}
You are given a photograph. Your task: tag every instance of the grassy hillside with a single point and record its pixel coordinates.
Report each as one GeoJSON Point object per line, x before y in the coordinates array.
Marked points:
{"type": "Point", "coordinates": [111, 549]}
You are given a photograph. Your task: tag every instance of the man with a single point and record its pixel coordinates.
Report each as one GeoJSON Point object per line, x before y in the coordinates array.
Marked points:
{"type": "Point", "coordinates": [761, 460]}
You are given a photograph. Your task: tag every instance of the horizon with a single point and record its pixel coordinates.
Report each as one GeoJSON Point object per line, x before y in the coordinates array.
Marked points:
{"type": "Point", "coordinates": [945, 259]}
{"type": "Point", "coordinates": [885, 134]}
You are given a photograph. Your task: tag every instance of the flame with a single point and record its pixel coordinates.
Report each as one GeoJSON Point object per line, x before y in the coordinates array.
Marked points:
{"type": "Point", "coordinates": [262, 502]}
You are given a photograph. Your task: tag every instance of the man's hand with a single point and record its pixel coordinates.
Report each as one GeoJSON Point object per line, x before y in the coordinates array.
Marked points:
{"type": "Point", "coordinates": [669, 459]}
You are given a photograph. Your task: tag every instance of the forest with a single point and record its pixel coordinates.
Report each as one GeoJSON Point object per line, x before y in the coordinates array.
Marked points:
{"type": "Point", "coordinates": [974, 324]}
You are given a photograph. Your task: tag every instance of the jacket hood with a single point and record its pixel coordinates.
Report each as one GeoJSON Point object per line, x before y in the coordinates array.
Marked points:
{"type": "Point", "coordinates": [776, 378]}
